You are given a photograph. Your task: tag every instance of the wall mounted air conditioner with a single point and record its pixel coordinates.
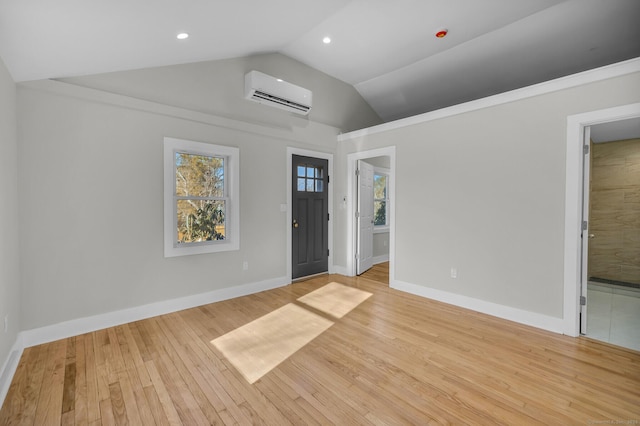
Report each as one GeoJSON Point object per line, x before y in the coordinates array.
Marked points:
{"type": "Point", "coordinates": [275, 92]}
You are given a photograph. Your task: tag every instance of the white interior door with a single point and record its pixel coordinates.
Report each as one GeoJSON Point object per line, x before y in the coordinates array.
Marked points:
{"type": "Point", "coordinates": [364, 259]}
{"type": "Point", "coordinates": [586, 184]}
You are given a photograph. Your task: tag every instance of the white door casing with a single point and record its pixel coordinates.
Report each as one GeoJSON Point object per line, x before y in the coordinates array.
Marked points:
{"type": "Point", "coordinates": [584, 276]}
{"type": "Point", "coordinates": [351, 205]}
{"type": "Point", "coordinates": [364, 175]}
{"type": "Point", "coordinates": [574, 191]}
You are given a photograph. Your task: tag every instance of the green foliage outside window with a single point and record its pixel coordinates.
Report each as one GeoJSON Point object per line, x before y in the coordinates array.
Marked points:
{"type": "Point", "coordinates": [380, 200]}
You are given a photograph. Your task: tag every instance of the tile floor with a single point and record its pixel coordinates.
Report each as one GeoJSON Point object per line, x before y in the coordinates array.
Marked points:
{"type": "Point", "coordinates": [613, 314]}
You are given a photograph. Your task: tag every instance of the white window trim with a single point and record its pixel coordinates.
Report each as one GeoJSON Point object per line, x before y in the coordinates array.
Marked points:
{"type": "Point", "coordinates": [232, 215]}
{"type": "Point", "coordinates": [380, 229]}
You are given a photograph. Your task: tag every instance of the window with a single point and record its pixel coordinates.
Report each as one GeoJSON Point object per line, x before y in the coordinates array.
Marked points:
{"type": "Point", "coordinates": [200, 198]}
{"type": "Point", "coordinates": [380, 200]}
{"type": "Point", "coordinates": [310, 178]}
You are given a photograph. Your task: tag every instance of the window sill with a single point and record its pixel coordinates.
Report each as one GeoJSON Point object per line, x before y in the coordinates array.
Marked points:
{"type": "Point", "coordinates": [200, 248]}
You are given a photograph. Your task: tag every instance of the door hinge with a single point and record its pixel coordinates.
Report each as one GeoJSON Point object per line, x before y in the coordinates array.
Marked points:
{"type": "Point", "coordinates": [327, 252]}
{"type": "Point", "coordinates": [585, 149]}
{"type": "Point", "coordinates": [357, 172]}
{"type": "Point", "coordinates": [328, 216]}
{"type": "Point", "coordinates": [357, 215]}
{"type": "Point", "coordinates": [583, 301]}
{"type": "Point", "coordinates": [585, 225]}
{"type": "Point", "coordinates": [328, 179]}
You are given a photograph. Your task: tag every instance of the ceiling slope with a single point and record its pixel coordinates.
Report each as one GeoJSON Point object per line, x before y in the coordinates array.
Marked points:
{"type": "Point", "coordinates": [386, 50]}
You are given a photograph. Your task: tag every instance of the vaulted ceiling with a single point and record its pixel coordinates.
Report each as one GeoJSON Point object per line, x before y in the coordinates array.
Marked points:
{"type": "Point", "coordinates": [386, 49]}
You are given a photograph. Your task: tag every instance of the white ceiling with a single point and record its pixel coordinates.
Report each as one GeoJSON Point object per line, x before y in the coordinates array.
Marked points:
{"type": "Point", "coordinates": [386, 49]}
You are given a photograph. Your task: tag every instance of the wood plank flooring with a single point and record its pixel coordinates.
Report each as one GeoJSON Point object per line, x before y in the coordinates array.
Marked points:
{"type": "Point", "coordinates": [395, 359]}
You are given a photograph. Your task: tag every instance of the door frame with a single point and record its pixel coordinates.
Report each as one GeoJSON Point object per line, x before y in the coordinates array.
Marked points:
{"type": "Point", "coordinates": [352, 205]}
{"type": "Point", "coordinates": [586, 216]}
{"type": "Point", "coordinates": [574, 201]}
{"type": "Point", "coordinates": [291, 151]}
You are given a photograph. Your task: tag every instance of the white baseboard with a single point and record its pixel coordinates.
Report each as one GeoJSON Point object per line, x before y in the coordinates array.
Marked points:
{"type": "Point", "coordinates": [97, 322]}
{"type": "Point", "coordinates": [79, 326]}
{"type": "Point", "coordinates": [9, 368]}
{"type": "Point", "coordinates": [533, 319]}
{"type": "Point", "coordinates": [381, 259]}
{"type": "Point", "coordinates": [341, 270]}
{"type": "Point", "coordinates": [75, 327]}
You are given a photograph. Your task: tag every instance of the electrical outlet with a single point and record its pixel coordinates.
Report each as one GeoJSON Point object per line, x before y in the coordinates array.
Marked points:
{"type": "Point", "coordinates": [245, 265]}
{"type": "Point", "coordinates": [454, 273]}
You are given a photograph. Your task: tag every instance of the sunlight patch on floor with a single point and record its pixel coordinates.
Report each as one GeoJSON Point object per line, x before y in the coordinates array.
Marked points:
{"type": "Point", "coordinates": [335, 299]}
{"type": "Point", "coordinates": [259, 346]}
{"type": "Point", "coordinates": [256, 348]}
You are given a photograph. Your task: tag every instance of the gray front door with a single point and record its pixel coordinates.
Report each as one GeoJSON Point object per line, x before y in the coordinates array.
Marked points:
{"type": "Point", "coordinates": [310, 214]}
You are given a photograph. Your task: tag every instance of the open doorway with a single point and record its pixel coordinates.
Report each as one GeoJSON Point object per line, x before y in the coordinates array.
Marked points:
{"type": "Point", "coordinates": [372, 242]}
{"type": "Point", "coordinates": [613, 239]}
{"type": "Point", "coordinates": [577, 223]}
{"type": "Point", "coordinates": [372, 215]}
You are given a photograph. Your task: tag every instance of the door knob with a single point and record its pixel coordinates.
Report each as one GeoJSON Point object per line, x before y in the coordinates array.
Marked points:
{"type": "Point", "coordinates": [295, 223]}
{"type": "Point", "coordinates": [592, 236]}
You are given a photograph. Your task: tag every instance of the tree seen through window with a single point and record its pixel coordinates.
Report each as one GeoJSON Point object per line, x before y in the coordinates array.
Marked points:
{"type": "Point", "coordinates": [200, 197]}
{"type": "Point", "coordinates": [380, 199]}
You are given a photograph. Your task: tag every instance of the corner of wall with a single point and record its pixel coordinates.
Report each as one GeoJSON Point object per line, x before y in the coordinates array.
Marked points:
{"type": "Point", "coordinates": [10, 344]}
{"type": "Point", "coordinates": [9, 368]}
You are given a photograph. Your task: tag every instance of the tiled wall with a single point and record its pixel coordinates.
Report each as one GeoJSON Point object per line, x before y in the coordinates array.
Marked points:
{"type": "Point", "coordinates": [614, 250]}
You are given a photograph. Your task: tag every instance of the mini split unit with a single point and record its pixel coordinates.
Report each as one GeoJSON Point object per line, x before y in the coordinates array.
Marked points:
{"type": "Point", "coordinates": [268, 90]}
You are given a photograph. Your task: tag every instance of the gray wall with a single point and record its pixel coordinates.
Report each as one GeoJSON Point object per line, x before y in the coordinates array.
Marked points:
{"type": "Point", "coordinates": [483, 192]}
{"type": "Point", "coordinates": [90, 173]}
{"type": "Point", "coordinates": [217, 87]}
{"type": "Point", "coordinates": [380, 245]}
{"type": "Point", "coordinates": [9, 243]}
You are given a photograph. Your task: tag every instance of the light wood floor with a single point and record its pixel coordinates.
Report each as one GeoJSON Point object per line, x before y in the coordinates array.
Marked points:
{"type": "Point", "coordinates": [395, 359]}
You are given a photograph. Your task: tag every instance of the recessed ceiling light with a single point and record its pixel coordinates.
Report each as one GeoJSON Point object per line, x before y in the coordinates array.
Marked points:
{"type": "Point", "coordinates": [182, 36]}
{"type": "Point", "coordinates": [326, 40]}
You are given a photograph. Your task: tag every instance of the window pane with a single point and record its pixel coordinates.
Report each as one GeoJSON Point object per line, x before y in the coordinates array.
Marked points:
{"type": "Point", "coordinates": [318, 185]}
{"type": "Point", "coordinates": [301, 184]}
{"type": "Point", "coordinates": [319, 172]}
{"type": "Point", "coordinates": [200, 220]}
{"type": "Point", "coordinates": [199, 175]}
{"type": "Point", "coordinates": [311, 172]}
{"type": "Point", "coordinates": [310, 185]}
{"type": "Point", "coordinates": [301, 171]}
{"type": "Point", "coordinates": [379, 187]}
{"type": "Point", "coordinates": [380, 213]}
